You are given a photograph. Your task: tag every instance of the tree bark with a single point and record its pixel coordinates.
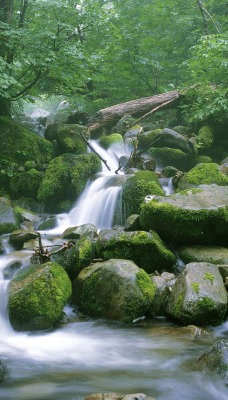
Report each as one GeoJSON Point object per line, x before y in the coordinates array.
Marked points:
{"type": "Point", "coordinates": [109, 116]}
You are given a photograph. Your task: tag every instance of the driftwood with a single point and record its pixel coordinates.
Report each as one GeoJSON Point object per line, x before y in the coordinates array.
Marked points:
{"type": "Point", "coordinates": [45, 254]}
{"type": "Point", "coordinates": [138, 108]}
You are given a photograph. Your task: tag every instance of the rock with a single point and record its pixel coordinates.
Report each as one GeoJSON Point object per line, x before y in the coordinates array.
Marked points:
{"type": "Point", "coordinates": [132, 223]}
{"type": "Point", "coordinates": [161, 295]}
{"type": "Point", "coordinates": [114, 289]}
{"type": "Point", "coordinates": [176, 158]}
{"type": "Point", "coordinates": [124, 123]}
{"type": "Point", "coordinates": [66, 177]}
{"type": "Point", "coordinates": [198, 296]}
{"type": "Point", "coordinates": [3, 371]}
{"type": "Point", "coordinates": [76, 257]}
{"type": "Point", "coordinates": [197, 216]}
{"type": "Point", "coordinates": [146, 249]}
{"type": "Point", "coordinates": [205, 173]}
{"type": "Point", "coordinates": [215, 359]}
{"type": "Point", "coordinates": [136, 188]}
{"type": "Point", "coordinates": [25, 182]}
{"type": "Point", "coordinates": [18, 238]}
{"type": "Point", "coordinates": [171, 139]}
{"type": "Point", "coordinates": [48, 223]}
{"type": "Point", "coordinates": [8, 219]}
{"type": "Point", "coordinates": [213, 254]}
{"type": "Point", "coordinates": [37, 296]}
{"type": "Point", "coordinates": [147, 138]}
{"type": "Point", "coordinates": [205, 138]}
{"type": "Point", "coordinates": [117, 396]}
{"type": "Point", "coordinates": [86, 230]}
{"type": "Point", "coordinates": [26, 215]}
{"type": "Point", "coordinates": [109, 140]}
{"type": "Point", "coordinates": [67, 137]}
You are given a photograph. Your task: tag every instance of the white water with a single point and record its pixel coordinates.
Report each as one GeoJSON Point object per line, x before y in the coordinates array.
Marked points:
{"type": "Point", "coordinates": [98, 201]}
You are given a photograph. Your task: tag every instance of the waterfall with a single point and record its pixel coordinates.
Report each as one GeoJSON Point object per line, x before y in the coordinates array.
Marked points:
{"type": "Point", "coordinates": [97, 203]}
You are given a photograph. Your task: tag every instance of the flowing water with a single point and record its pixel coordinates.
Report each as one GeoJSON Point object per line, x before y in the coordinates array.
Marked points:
{"type": "Point", "coordinates": [155, 357]}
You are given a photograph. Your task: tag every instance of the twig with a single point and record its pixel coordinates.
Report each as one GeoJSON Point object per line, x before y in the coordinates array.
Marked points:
{"type": "Point", "coordinates": [94, 151]}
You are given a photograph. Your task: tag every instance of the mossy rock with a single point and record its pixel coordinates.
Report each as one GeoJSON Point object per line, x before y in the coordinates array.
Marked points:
{"type": "Point", "coordinates": [19, 237]}
{"type": "Point", "coordinates": [27, 182]}
{"type": "Point", "coordinates": [215, 359]}
{"type": "Point", "coordinates": [174, 157]}
{"type": "Point", "coordinates": [136, 188]}
{"type": "Point", "coordinates": [8, 218]}
{"type": "Point", "coordinates": [196, 216]}
{"type": "Point", "coordinates": [37, 296]}
{"type": "Point", "coordinates": [19, 145]}
{"type": "Point", "coordinates": [147, 138]}
{"type": "Point", "coordinates": [204, 173]}
{"type": "Point", "coordinates": [24, 214]}
{"type": "Point", "coordinates": [66, 177]}
{"type": "Point", "coordinates": [107, 141]}
{"type": "Point", "coordinates": [114, 289]}
{"type": "Point", "coordinates": [212, 254]}
{"type": "Point", "coordinates": [68, 137]}
{"type": "Point", "coordinates": [198, 296]}
{"type": "Point", "coordinates": [76, 257]}
{"type": "Point", "coordinates": [205, 138]}
{"type": "Point", "coordinates": [146, 249]}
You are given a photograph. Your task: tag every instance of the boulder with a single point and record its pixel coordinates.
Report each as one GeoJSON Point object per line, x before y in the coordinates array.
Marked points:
{"type": "Point", "coordinates": [166, 156]}
{"type": "Point", "coordinates": [205, 138]}
{"type": "Point", "coordinates": [198, 296]}
{"type": "Point", "coordinates": [212, 254]}
{"type": "Point", "coordinates": [215, 359]}
{"type": "Point", "coordinates": [172, 139]}
{"type": "Point", "coordinates": [66, 177]}
{"type": "Point", "coordinates": [114, 289]}
{"type": "Point", "coordinates": [204, 173]}
{"type": "Point", "coordinates": [136, 188]}
{"type": "Point", "coordinates": [85, 230]}
{"type": "Point", "coordinates": [132, 223]}
{"type": "Point", "coordinates": [25, 182]}
{"type": "Point", "coordinates": [146, 249]}
{"type": "Point", "coordinates": [37, 296]}
{"type": "Point", "coordinates": [19, 237]}
{"type": "Point", "coordinates": [161, 296]}
{"type": "Point", "coordinates": [67, 137]}
{"type": "Point", "coordinates": [109, 140]}
{"type": "Point", "coordinates": [8, 219]}
{"type": "Point", "coordinates": [196, 216]}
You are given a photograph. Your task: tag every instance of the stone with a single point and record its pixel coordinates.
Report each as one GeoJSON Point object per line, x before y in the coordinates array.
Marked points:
{"type": "Point", "coordinates": [8, 219]}
{"type": "Point", "coordinates": [215, 359]}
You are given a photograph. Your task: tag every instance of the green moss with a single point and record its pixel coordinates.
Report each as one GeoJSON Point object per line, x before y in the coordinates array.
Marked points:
{"type": "Point", "coordinates": [207, 173]}
{"type": "Point", "coordinates": [209, 277]}
{"type": "Point", "coordinates": [107, 141]}
{"type": "Point", "coordinates": [205, 137]}
{"type": "Point", "coordinates": [174, 157]}
{"type": "Point", "coordinates": [25, 183]}
{"type": "Point", "coordinates": [66, 177]}
{"type": "Point", "coordinates": [206, 303]}
{"type": "Point", "coordinates": [195, 286]}
{"type": "Point", "coordinates": [137, 188]}
{"type": "Point", "coordinates": [146, 138]}
{"type": "Point", "coordinates": [38, 292]}
{"type": "Point", "coordinates": [178, 304]}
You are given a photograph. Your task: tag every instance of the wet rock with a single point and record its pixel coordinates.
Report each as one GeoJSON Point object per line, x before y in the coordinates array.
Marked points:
{"type": "Point", "coordinates": [37, 296]}
{"type": "Point", "coordinates": [146, 249]}
{"type": "Point", "coordinates": [215, 359]}
{"type": "Point", "coordinates": [109, 140]}
{"type": "Point", "coordinates": [161, 296]}
{"type": "Point", "coordinates": [114, 289]}
{"type": "Point", "coordinates": [8, 219]}
{"type": "Point", "coordinates": [132, 223]}
{"type": "Point", "coordinates": [197, 216]}
{"type": "Point", "coordinates": [116, 396]}
{"type": "Point", "coordinates": [85, 230]}
{"type": "Point", "coordinates": [204, 173]}
{"type": "Point", "coordinates": [212, 254]}
{"type": "Point", "coordinates": [198, 296]}
{"type": "Point", "coordinates": [172, 139]}
{"type": "Point", "coordinates": [18, 238]}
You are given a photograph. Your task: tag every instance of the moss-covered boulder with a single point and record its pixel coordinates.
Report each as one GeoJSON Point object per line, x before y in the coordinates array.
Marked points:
{"type": "Point", "coordinates": [19, 145]}
{"type": "Point", "coordinates": [24, 215]}
{"type": "Point", "coordinates": [198, 296]}
{"type": "Point", "coordinates": [114, 289]}
{"type": "Point", "coordinates": [205, 138]}
{"type": "Point", "coordinates": [109, 140]}
{"type": "Point", "coordinates": [76, 257]}
{"type": "Point", "coordinates": [76, 232]}
{"type": "Point", "coordinates": [174, 157]}
{"type": "Point", "coordinates": [68, 137]}
{"type": "Point", "coordinates": [204, 173]}
{"type": "Point", "coordinates": [135, 189]}
{"type": "Point", "coordinates": [196, 216]}
{"type": "Point", "coordinates": [171, 139]}
{"type": "Point", "coordinates": [19, 237]}
{"type": "Point", "coordinates": [37, 296]}
{"type": "Point", "coordinates": [212, 254]}
{"type": "Point", "coordinates": [147, 138]}
{"type": "Point", "coordinates": [215, 359]}
{"type": "Point", "coordinates": [146, 249]}
{"type": "Point", "coordinates": [8, 219]}
{"type": "Point", "coordinates": [26, 182]}
{"type": "Point", "coordinates": [66, 177]}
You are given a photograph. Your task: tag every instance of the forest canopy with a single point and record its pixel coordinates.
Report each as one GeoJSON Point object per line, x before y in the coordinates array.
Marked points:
{"type": "Point", "coordinates": [101, 52]}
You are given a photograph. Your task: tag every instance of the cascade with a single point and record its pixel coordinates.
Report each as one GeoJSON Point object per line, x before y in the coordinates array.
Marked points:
{"type": "Point", "coordinates": [98, 201]}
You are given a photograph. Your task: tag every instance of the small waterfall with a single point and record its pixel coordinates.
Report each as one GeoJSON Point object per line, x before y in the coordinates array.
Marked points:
{"type": "Point", "coordinates": [98, 201]}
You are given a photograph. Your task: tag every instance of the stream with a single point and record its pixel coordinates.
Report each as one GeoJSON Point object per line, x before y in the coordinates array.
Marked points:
{"type": "Point", "coordinates": [156, 357]}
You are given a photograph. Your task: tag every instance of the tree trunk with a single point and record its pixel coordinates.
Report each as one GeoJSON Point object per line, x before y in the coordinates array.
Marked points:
{"type": "Point", "coordinates": [111, 115]}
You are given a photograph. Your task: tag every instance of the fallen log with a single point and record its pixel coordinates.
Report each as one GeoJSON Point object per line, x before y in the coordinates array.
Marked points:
{"type": "Point", "coordinates": [107, 117]}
